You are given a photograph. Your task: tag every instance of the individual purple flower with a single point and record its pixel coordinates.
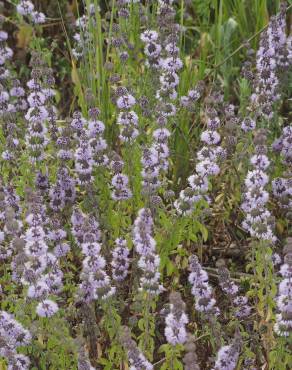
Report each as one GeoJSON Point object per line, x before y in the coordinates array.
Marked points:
{"type": "Point", "coordinates": [171, 64]}
{"type": "Point", "coordinates": [210, 137]}
{"type": "Point", "coordinates": [127, 118]}
{"type": "Point", "coordinates": [207, 168]}
{"type": "Point", "coordinates": [152, 50]}
{"type": "Point", "coordinates": [38, 290]}
{"type": "Point", "coordinates": [248, 124]}
{"type": "Point", "coordinates": [78, 122]}
{"type": "Point", "coordinates": [95, 127]}
{"type": "Point", "coordinates": [120, 181]}
{"type": "Point", "coordinates": [260, 161]}
{"type": "Point", "coordinates": [61, 249]}
{"type": "Point", "coordinates": [47, 308]}
{"type": "Point", "coordinates": [126, 101]}
{"type": "Point", "coordinates": [25, 7]}
{"type": "Point", "coordinates": [38, 17]}
{"type": "Point", "coordinates": [256, 178]}
{"type": "Point", "coordinates": [148, 36]}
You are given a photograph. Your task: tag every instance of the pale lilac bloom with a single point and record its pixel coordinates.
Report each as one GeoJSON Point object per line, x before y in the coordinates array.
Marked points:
{"type": "Point", "coordinates": [47, 308]}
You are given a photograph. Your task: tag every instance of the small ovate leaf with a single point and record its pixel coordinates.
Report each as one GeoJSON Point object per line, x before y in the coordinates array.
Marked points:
{"type": "Point", "coordinates": [204, 232]}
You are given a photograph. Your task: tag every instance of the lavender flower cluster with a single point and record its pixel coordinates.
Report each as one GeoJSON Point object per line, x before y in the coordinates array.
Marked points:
{"type": "Point", "coordinates": [145, 246]}
{"type": "Point", "coordinates": [208, 160]}
{"type": "Point", "coordinates": [136, 358]}
{"type": "Point", "coordinates": [120, 260]}
{"type": "Point", "coordinates": [272, 56]}
{"type": "Point", "coordinates": [42, 274]}
{"type": "Point", "coordinates": [163, 58]}
{"type": "Point", "coordinates": [228, 355]}
{"type": "Point", "coordinates": [175, 331]}
{"type": "Point", "coordinates": [127, 118]}
{"type": "Point", "coordinates": [189, 101]}
{"type": "Point", "coordinates": [41, 92]}
{"type": "Point", "coordinates": [283, 324]}
{"type": "Point", "coordinates": [120, 181]}
{"type": "Point", "coordinates": [95, 282]}
{"type": "Point", "coordinates": [26, 9]}
{"type": "Point", "coordinates": [12, 99]}
{"type": "Point", "coordinates": [92, 145]}
{"type": "Point", "coordinates": [55, 224]}
{"type": "Point", "coordinates": [282, 186]}
{"type": "Point", "coordinates": [258, 220]}
{"type": "Point", "coordinates": [6, 52]}
{"type": "Point", "coordinates": [240, 302]}
{"type": "Point", "coordinates": [83, 37]}
{"type": "Point", "coordinates": [13, 335]}
{"type": "Point", "coordinates": [201, 290]}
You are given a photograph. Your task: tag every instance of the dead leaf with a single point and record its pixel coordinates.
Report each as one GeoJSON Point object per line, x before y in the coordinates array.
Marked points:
{"type": "Point", "coordinates": [24, 36]}
{"type": "Point", "coordinates": [99, 350]}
